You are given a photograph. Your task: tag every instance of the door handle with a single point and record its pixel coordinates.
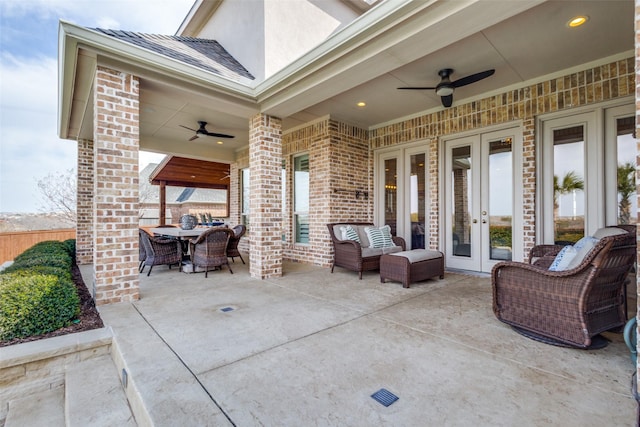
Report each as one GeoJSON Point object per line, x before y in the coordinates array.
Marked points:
{"type": "Point", "coordinates": [475, 221]}
{"type": "Point", "coordinates": [484, 221]}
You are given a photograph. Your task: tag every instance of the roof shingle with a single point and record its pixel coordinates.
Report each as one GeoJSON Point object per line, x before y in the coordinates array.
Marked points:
{"type": "Point", "coordinates": [205, 54]}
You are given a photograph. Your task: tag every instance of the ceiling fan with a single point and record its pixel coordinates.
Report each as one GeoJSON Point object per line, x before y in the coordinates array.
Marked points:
{"type": "Point", "coordinates": [202, 130]}
{"type": "Point", "coordinates": [445, 88]}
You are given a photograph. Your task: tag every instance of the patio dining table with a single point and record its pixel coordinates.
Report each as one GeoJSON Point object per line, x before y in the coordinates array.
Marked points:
{"type": "Point", "coordinates": [179, 232]}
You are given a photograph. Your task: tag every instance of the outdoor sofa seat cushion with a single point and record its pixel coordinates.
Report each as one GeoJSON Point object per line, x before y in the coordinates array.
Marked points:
{"type": "Point", "coordinates": [358, 255]}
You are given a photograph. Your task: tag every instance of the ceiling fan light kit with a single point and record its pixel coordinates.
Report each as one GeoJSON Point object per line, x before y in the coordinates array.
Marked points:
{"type": "Point", "coordinates": [446, 87]}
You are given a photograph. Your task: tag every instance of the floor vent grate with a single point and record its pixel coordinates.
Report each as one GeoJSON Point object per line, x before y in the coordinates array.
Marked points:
{"type": "Point", "coordinates": [384, 397]}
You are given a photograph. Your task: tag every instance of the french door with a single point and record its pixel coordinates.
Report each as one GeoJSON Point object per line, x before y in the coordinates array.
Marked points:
{"type": "Point", "coordinates": [588, 172]}
{"type": "Point", "coordinates": [401, 193]}
{"type": "Point", "coordinates": [483, 210]}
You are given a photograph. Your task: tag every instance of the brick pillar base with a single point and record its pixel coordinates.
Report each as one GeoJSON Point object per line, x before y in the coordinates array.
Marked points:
{"type": "Point", "coordinates": [265, 200]}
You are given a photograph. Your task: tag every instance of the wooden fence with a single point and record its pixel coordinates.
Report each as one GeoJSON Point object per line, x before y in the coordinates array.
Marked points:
{"type": "Point", "coordinates": [16, 242]}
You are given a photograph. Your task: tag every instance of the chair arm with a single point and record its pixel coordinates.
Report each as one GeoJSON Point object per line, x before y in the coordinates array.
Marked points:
{"type": "Point", "coordinates": [399, 241]}
{"type": "Point", "coordinates": [513, 275]}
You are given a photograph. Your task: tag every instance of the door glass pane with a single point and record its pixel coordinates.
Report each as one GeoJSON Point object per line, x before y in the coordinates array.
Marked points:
{"type": "Point", "coordinates": [500, 210]}
{"type": "Point", "coordinates": [568, 184]}
{"type": "Point", "coordinates": [417, 193]}
{"type": "Point", "coordinates": [390, 192]}
{"type": "Point", "coordinates": [461, 200]}
{"type": "Point", "coordinates": [627, 201]}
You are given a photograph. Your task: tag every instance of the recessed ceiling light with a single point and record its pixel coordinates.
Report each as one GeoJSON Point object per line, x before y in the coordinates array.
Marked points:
{"type": "Point", "coordinates": [220, 142]}
{"type": "Point", "coordinates": [361, 104]}
{"type": "Point", "coordinates": [577, 21]}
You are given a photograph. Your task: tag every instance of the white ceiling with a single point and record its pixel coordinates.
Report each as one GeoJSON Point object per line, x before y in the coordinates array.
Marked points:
{"type": "Point", "coordinates": [524, 48]}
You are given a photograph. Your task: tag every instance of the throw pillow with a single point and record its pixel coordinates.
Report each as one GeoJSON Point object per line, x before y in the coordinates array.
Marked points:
{"type": "Point", "coordinates": [348, 233]}
{"type": "Point", "coordinates": [583, 247]}
{"type": "Point", "coordinates": [564, 257]}
{"type": "Point", "coordinates": [379, 237]}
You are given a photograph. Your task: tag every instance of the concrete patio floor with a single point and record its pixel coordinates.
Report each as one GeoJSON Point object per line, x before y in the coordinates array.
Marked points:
{"type": "Point", "coordinates": [311, 347]}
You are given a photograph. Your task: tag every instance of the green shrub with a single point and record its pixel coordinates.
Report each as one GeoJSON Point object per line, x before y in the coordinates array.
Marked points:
{"type": "Point", "coordinates": [35, 304]}
{"type": "Point", "coordinates": [59, 260]}
{"type": "Point", "coordinates": [48, 247]}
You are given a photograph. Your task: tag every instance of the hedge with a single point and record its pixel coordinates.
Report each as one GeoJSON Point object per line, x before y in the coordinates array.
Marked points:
{"type": "Point", "coordinates": [37, 293]}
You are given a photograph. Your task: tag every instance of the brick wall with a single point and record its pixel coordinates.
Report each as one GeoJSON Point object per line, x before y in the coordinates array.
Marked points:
{"type": "Point", "coordinates": [265, 159]}
{"type": "Point", "coordinates": [339, 165]}
{"type": "Point", "coordinates": [84, 203]}
{"type": "Point", "coordinates": [115, 191]}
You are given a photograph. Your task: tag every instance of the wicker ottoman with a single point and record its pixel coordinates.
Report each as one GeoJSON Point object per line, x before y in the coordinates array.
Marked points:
{"type": "Point", "coordinates": [411, 266]}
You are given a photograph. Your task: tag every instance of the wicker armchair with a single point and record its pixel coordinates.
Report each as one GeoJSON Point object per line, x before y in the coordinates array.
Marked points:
{"type": "Point", "coordinates": [351, 255]}
{"type": "Point", "coordinates": [567, 308]}
{"type": "Point", "coordinates": [159, 251]}
{"type": "Point", "coordinates": [232, 247]}
{"type": "Point", "coordinates": [209, 250]}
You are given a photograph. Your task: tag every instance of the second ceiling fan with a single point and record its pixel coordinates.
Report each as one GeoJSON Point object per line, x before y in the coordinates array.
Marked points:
{"type": "Point", "coordinates": [445, 88]}
{"type": "Point", "coordinates": [202, 130]}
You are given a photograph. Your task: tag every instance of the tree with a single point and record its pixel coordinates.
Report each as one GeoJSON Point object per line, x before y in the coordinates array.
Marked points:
{"type": "Point", "coordinates": [626, 187]}
{"type": "Point", "coordinates": [570, 182]}
{"type": "Point", "coordinates": [58, 191]}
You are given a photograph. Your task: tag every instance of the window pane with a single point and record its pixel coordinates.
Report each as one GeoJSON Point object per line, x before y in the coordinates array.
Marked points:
{"type": "Point", "coordinates": [568, 184]}
{"type": "Point", "coordinates": [500, 209]}
{"type": "Point", "coordinates": [245, 196]}
{"type": "Point", "coordinates": [301, 177]}
{"type": "Point", "coordinates": [301, 198]}
{"type": "Point", "coordinates": [302, 228]}
{"type": "Point", "coordinates": [626, 143]}
{"type": "Point", "coordinates": [417, 201]}
{"type": "Point", "coordinates": [461, 199]}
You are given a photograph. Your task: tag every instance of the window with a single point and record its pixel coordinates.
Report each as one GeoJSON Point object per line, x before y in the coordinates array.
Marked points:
{"type": "Point", "coordinates": [244, 182]}
{"type": "Point", "coordinates": [301, 198]}
{"type": "Point", "coordinates": [284, 198]}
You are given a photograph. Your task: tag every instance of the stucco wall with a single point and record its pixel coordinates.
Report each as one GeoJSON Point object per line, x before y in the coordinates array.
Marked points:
{"type": "Point", "coordinates": [266, 35]}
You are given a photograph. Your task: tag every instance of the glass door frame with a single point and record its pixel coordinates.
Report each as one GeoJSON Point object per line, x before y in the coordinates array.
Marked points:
{"type": "Point", "coordinates": [601, 162]}
{"type": "Point", "coordinates": [480, 252]}
{"type": "Point", "coordinates": [402, 155]}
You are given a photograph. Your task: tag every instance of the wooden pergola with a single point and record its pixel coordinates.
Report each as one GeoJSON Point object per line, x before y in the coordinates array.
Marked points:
{"type": "Point", "coordinates": [184, 172]}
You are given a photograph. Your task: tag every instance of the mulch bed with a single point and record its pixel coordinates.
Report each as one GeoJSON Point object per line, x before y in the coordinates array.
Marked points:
{"type": "Point", "coordinates": [89, 316]}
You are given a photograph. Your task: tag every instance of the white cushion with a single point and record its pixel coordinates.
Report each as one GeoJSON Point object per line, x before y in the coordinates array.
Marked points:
{"type": "Point", "coordinates": [348, 233]}
{"type": "Point", "coordinates": [583, 247]}
{"type": "Point", "coordinates": [379, 237]}
{"type": "Point", "coordinates": [608, 231]}
{"type": "Point", "coordinates": [564, 257]}
{"type": "Point", "coordinates": [416, 255]}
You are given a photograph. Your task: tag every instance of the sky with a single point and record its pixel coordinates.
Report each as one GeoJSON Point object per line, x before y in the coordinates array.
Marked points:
{"type": "Point", "coordinates": [30, 149]}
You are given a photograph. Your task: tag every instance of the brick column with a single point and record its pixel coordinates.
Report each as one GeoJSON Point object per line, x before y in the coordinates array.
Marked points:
{"type": "Point", "coordinates": [116, 198]}
{"type": "Point", "coordinates": [84, 203]}
{"type": "Point", "coordinates": [265, 200]}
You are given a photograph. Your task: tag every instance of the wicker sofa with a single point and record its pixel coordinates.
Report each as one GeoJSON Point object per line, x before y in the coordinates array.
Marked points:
{"type": "Point", "coordinates": [572, 306]}
{"type": "Point", "coordinates": [357, 256]}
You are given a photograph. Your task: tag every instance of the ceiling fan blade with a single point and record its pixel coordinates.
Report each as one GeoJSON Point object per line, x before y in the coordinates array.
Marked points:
{"type": "Point", "coordinates": [196, 136]}
{"type": "Point", "coordinates": [193, 130]}
{"type": "Point", "coordinates": [220, 135]}
{"type": "Point", "coordinates": [416, 88]}
{"type": "Point", "coordinates": [472, 78]}
{"type": "Point", "coordinates": [447, 100]}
